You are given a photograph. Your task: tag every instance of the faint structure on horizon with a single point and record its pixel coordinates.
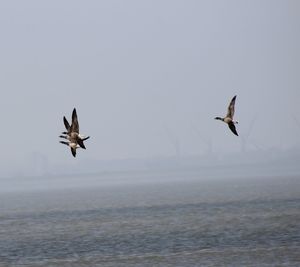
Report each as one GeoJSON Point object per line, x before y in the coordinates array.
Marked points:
{"type": "Point", "coordinates": [206, 140]}
{"type": "Point", "coordinates": [174, 141]}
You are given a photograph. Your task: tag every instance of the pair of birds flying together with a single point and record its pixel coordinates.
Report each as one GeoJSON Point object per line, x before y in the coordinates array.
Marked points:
{"type": "Point", "coordinates": [74, 138]}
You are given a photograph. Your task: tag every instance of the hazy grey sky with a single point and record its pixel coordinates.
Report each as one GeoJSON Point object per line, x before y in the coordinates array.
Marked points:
{"type": "Point", "coordinates": [136, 68]}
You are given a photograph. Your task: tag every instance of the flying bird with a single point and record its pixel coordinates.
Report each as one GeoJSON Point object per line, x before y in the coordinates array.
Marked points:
{"type": "Point", "coordinates": [75, 139]}
{"type": "Point", "coordinates": [73, 129]}
{"type": "Point", "coordinates": [229, 117]}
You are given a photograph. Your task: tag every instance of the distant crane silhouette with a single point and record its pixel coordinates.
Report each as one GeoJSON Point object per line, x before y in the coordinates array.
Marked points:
{"type": "Point", "coordinates": [206, 140]}
{"type": "Point", "coordinates": [245, 138]}
{"type": "Point", "coordinates": [174, 141]}
{"type": "Point", "coordinates": [296, 121]}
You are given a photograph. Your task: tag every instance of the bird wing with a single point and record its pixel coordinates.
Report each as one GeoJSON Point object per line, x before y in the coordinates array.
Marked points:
{"type": "Point", "coordinates": [65, 143]}
{"type": "Point", "coordinates": [232, 128]}
{"type": "Point", "coordinates": [75, 124]}
{"type": "Point", "coordinates": [80, 143]}
{"type": "Point", "coordinates": [67, 125]}
{"type": "Point", "coordinates": [85, 138]}
{"type": "Point", "coordinates": [230, 112]}
{"type": "Point", "coordinates": [73, 150]}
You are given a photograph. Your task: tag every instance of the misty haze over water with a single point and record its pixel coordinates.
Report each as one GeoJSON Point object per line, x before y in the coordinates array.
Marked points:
{"type": "Point", "coordinates": [147, 79]}
{"type": "Point", "coordinates": [161, 182]}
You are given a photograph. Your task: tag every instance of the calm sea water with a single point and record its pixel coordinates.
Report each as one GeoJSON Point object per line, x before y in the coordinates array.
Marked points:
{"type": "Point", "coordinates": [153, 222]}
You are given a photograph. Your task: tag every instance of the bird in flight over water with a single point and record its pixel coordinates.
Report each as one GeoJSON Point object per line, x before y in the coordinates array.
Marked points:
{"type": "Point", "coordinates": [229, 117]}
{"type": "Point", "coordinates": [75, 139]}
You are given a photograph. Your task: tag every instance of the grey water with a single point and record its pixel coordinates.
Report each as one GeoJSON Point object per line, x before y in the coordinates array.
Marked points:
{"type": "Point", "coordinates": [152, 220]}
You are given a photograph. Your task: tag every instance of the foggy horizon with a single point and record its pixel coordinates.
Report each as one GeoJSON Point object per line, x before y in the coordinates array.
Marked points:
{"type": "Point", "coordinates": [146, 75]}
{"type": "Point", "coordinates": [161, 181]}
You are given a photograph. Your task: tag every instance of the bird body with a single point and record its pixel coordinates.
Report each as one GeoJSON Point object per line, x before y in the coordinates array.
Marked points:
{"type": "Point", "coordinates": [73, 146]}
